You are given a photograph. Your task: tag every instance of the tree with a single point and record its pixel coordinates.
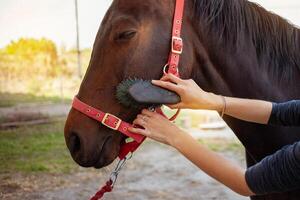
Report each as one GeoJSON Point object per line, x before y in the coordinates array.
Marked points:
{"type": "Point", "coordinates": [33, 56]}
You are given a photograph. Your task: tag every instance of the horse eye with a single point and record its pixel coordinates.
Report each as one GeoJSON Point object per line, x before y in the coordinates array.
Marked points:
{"type": "Point", "coordinates": [125, 35]}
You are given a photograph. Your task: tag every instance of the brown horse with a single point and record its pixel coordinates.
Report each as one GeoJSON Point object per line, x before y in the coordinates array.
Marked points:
{"type": "Point", "coordinates": [231, 47]}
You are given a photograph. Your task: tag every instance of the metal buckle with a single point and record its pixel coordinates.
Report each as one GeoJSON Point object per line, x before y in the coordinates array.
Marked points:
{"type": "Point", "coordinates": [106, 117]}
{"type": "Point", "coordinates": [174, 38]}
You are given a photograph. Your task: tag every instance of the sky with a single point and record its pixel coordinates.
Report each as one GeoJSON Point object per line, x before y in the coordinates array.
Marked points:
{"type": "Point", "coordinates": [55, 19]}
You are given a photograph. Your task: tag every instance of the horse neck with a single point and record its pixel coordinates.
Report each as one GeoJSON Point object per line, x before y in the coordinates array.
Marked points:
{"type": "Point", "coordinates": [239, 72]}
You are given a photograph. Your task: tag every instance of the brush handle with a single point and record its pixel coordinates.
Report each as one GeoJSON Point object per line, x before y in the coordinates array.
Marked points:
{"type": "Point", "coordinates": [145, 92]}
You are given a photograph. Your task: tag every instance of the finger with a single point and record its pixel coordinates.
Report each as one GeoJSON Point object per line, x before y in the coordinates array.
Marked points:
{"type": "Point", "coordinates": [139, 122]}
{"type": "Point", "coordinates": [167, 85]}
{"type": "Point", "coordinates": [139, 116]}
{"type": "Point", "coordinates": [143, 117]}
{"type": "Point", "coordinates": [172, 78]}
{"type": "Point", "coordinates": [165, 78]}
{"type": "Point", "coordinates": [139, 131]}
{"type": "Point", "coordinates": [147, 113]}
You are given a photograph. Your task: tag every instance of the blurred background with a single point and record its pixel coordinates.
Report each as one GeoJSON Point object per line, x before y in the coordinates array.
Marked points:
{"type": "Point", "coordinates": [45, 47]}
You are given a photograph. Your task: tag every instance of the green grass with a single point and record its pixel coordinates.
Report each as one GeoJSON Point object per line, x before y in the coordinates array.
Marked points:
{"type": "Point", "coordinates": [35, 149]}
{"type": "Point", "coordinates": [42, 148]}
{"type": "Point", "coordinates": [12, 99]}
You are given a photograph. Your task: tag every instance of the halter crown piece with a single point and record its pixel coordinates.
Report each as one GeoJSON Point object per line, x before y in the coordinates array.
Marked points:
{"type": "Point", "coordinates": [115, 123]}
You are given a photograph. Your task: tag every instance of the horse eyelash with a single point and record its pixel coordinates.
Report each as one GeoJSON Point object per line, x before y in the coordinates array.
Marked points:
{"type": "Point", "coordinates": [126, 35]}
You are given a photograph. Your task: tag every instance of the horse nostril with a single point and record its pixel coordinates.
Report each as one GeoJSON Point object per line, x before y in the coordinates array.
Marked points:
{"type": "Point", "coordinates": [74, 143]}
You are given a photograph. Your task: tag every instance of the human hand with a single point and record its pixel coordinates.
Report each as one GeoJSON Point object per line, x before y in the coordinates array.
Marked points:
{"type": "Point", "coordinates": [156, 127]}
{"type": "Point", "coordinates": [192, 96]}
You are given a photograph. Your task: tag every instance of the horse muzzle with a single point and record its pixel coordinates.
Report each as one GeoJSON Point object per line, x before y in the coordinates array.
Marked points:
{"type": "Point", "coordinates": [90, 144]}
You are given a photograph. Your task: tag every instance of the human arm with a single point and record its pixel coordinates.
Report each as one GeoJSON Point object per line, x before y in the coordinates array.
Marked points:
{"type": "Point", "coordinates": [279, 172]}
{"type": "Point", "coordinates": [257, 111]}
{"type": "Point", "coordinates": [276, 173]}
{"type": "Point", "coordinates": [193, 97]}
{"type": "Point", "coordinates": [223, 170]}
{"type": "Point", "coordinates": [286, 114]}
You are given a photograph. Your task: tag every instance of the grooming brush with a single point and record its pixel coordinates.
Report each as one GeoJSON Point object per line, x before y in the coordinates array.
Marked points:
{"type": "Point", "coordinates": [137, 93]}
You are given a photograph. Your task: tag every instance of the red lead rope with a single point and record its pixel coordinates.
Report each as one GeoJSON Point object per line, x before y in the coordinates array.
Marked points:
{"type": "Point", "coordinates": [106, 188]}
{"type": "Point", "coordinates": [117, 124]}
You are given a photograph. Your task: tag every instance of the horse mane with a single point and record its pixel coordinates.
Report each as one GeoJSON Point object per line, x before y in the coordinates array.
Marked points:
{"type": "Point", "coordinates": [275, 39]}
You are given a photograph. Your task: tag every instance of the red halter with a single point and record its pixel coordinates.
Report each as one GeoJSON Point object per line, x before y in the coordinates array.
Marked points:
{"type": "Point", "coordinates": [117, 124]}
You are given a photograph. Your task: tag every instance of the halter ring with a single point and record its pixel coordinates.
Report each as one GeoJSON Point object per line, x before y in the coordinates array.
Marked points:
{"type": "Point", "coordinates": [166, 67]}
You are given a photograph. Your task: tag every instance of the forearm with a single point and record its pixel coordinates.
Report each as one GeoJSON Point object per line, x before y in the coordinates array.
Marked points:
{"type": "Point", "coordinates": [212, 163]}
{"type": "Point", "coordinates": [249, 110]}
{"type": "Point", "coordinates": [263, 112]}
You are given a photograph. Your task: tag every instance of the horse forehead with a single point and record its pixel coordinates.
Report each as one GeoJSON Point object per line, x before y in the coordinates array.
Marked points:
{"type": "Point", "coordinates": [142, 6]}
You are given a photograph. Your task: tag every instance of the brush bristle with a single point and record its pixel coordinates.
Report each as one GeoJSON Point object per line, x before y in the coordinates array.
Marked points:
{"type": "Point", "coordinates": [124, 97]}
{"type": "Point", "coordinates": [138, 94]}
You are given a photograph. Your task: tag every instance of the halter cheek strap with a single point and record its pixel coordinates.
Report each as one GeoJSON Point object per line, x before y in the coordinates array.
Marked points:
{"type": "Point", "coordinates": [176, 49]}
{"type": "Point", "coordinates": [176, 40]}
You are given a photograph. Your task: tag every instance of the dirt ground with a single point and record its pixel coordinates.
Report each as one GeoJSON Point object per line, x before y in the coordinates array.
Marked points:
{"type": "Point", "coordinates": [155, 172]}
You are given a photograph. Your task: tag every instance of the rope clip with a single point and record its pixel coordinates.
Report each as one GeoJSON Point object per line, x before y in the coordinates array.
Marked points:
{"type": "Point", "coordinates": [114, 175]}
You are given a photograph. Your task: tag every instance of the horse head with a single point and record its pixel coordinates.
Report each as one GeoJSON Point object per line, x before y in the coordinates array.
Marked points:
{"type": "Point", "coordinates": [226, 51]}
{"type": "Point", "coordinates": [133, 41]}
